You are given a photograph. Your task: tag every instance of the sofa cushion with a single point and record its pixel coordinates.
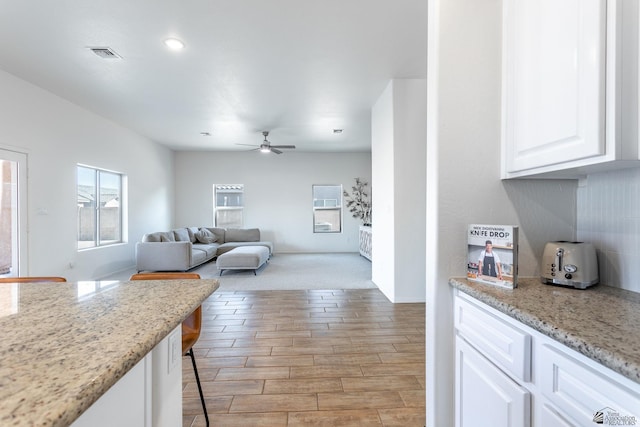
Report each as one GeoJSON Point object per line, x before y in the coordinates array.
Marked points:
{"type": "Point", "coordinates": [167, 236]}
{"type": "Point", "coordinates": [192, 234]}
{"type": "Point", "coordinates": [198, 256]}
{"type": "Point", "coordinates": [159, 236]}
{"type": "Point", "coordinates": [205, 236]}
{"type": "Point", "coordinates": [211, 249]}
{"type": "Point", "coordinates": [242, 235]}
{"type": "Point", "coordinates": [181, 235]}
{"type": "Point", "coordinates": [152, 237]}
{"type": "Point", "coordinates": [219, 232]}
{"type": "Point", "coordinates": [226, 247]}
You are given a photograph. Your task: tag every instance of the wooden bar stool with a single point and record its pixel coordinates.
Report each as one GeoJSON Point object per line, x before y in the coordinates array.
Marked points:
{"type": "Point", "coordinates": [34, 279]}
{"type": "Point", "coordinates": [191, 326]}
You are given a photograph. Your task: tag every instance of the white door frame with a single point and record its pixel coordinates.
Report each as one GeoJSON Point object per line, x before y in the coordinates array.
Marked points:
{"type": "Point", "coordinates": [21, 159]}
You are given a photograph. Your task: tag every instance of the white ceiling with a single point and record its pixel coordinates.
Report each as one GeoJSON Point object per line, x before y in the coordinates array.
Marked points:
{"type": "Point", "coordinates": [297, 68]}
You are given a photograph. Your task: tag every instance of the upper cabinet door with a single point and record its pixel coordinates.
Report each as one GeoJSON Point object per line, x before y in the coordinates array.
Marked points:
{"type": "Point", "coordinates": [554, 82]}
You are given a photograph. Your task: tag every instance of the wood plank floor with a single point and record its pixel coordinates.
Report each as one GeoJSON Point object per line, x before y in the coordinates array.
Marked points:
{"type": "Point", "coordinates": [308, 358]}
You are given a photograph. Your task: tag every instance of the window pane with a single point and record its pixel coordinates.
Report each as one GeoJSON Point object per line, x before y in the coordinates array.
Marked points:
{"type": "Point", "coordinates": [100, 207]}
{"type": "Point", "coordinates": [229, 218]}
{"type": "Point", "coordinates": [327, 208]}
{"type": "Point", "coordinates": [228, 205]}
{"type": "Point", "coordinates": [110, 195]}
{"type": "Point", "coordinates": [86, 207]}
{"type": "Point", "coordinates": [326, 220]}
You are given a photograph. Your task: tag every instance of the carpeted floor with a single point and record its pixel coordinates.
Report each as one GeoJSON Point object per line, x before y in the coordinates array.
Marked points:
{"type": "Point", "coordinates": [292, 272]}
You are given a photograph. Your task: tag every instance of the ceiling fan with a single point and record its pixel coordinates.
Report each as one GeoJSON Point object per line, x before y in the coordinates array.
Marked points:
{"type": "Point", "coordinates": [266, 146]}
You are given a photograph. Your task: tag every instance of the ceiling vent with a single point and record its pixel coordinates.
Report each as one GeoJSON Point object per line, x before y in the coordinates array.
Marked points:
{"type": "Point", "coordinates": [105, 53]}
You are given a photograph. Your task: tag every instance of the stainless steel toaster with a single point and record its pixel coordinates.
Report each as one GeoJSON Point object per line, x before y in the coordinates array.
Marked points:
{"type": "Point", "coordinates": [572, 264]}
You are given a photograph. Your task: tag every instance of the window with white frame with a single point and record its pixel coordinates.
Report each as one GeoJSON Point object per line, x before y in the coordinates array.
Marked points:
{"type": "Point", "coordinates": [228, 205]}
{"type": "Point", "coordinates": [100, 207]}
{"type": "Point", "coordinates": [327, 208]}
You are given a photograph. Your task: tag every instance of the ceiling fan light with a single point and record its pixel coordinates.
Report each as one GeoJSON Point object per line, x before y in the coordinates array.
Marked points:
{"type": "Point", "coordinates": [265, 149]}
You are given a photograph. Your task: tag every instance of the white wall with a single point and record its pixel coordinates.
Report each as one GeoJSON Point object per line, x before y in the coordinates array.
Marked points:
{"type": "Point", "coordinates": [463, 175]}
{"type": "Point", "coordinates": [398, 150]}
{"type": "Point", "coordinates": [410, 144]}
{"type": "Point", "coordinates": [57, 135]}
{"type": "Point", "coordinates": [383, 210]}
{"type": "Point", "coordinates": [277, 189]}
{"type": "Point", "coordinates": [609, 217]}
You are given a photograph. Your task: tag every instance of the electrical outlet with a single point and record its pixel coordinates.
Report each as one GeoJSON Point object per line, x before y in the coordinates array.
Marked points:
{"type": "Point", "coordinates": [175, 350]}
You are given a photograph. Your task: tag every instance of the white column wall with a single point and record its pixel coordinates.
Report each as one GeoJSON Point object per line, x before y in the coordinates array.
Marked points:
{"type": "Point", "coordinates": [383, 210]}
{"type": "Point", "coordinates": [410, 143]}
{"type": "Point", "coordinates": [398, 150]}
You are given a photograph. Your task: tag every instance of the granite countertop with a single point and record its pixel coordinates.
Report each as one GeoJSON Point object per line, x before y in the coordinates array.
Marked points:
{"type": "Point", "coordinates": [65, 344]}
{"type": "Point", "coordinates": [601, 322]}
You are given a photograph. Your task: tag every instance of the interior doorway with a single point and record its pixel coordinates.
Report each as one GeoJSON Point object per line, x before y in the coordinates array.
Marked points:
{"type": "Point", "coordinates": [13, 241]}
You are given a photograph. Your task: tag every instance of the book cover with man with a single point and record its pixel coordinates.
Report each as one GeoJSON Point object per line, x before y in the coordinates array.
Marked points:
{"type": "Point", "coordinates": [492, 255]}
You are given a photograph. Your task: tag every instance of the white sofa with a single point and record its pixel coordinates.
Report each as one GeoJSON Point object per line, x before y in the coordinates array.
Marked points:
{"type": "Point", "coordinates": [182, 249]}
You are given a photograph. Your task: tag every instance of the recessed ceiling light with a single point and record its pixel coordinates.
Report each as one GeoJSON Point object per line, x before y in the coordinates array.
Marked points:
{"type": "Point", "coordinates": [337, 131]}
{"type": "Point", "coordinates": [174, 44]}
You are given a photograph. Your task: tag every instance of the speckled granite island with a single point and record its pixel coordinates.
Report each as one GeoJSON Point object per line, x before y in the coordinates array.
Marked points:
{"type": "Point", "coordinates": [601, 322]}
{"type": "Point", "coordinates": [65, 344]}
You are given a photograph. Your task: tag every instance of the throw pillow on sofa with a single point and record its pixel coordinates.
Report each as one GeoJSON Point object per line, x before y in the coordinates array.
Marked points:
{"type": "Point", "coordinates": [205, 236]}
{"type": "Point", "coordinates": [181, 235]}
{"type": "Point", "coordinates": [167, 236]}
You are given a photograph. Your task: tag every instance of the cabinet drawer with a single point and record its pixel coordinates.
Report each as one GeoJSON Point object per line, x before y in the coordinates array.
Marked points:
{"type": "Point", "coordinates": [504, 344]}
{"type": "Point", "coordinates": [580, 391]}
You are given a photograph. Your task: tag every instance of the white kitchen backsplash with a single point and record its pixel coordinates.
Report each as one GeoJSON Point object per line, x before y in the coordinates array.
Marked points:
{"type": "Point", "coordinates": [608, 216]}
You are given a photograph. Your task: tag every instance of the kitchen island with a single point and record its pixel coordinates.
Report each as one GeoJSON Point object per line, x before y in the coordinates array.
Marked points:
{"type": "Point", "coordinates": [64, 345]}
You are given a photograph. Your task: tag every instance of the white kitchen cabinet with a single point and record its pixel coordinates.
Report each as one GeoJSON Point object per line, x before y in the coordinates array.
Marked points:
{"type": "Point", "coordinates": [503, 404]}
{"type": "Point", "coordinates": [578, 390]}
{"type": "Point", "coordinates": [507, 346]}
{"type": "Point", "coordinates": [149, 395]}
{"type": "Point", "coordinates": [569, 87]}
{"type": "Point", "coordinates": [124, 404]}
{"type": "Point", "coordinates": [549, 417]}
{"type": "Point", "coordinates": [565, 388]}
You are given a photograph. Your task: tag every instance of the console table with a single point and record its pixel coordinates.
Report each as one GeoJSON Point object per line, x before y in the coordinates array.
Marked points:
{"type": "Point", "coordinates": [365, 241]}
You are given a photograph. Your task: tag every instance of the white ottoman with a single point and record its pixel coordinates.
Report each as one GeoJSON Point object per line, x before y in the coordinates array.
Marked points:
{"type": "Point", "coordinates": [243, 258]}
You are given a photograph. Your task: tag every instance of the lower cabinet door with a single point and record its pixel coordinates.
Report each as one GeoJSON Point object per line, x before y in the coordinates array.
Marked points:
{"type": "Point", "coordinates": [149, 395]}
{"type": "Point", "coordinates": [124, 405]}
{"type": "Point", "coordinates": [486, 396]}
{"type": "Point", "coordinates": [549, 417]}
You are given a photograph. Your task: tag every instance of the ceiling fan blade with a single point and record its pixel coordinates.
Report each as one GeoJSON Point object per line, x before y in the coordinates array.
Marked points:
{"type": "Point", "coordinates": [284, 146]}
{"type": "Point", "coordinates": [275, 150]}
{"type": "Point", "coordinates": [248, 145]}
